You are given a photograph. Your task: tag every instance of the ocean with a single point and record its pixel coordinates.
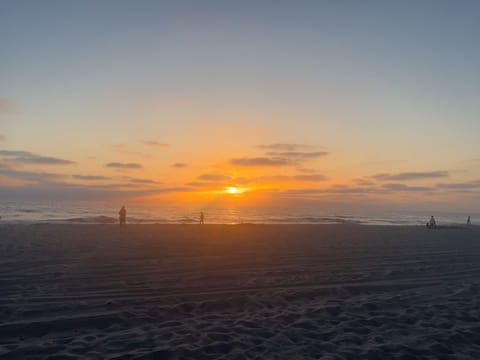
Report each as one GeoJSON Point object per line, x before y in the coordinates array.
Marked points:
{"type": "Point", "coordinates": [104, 213]}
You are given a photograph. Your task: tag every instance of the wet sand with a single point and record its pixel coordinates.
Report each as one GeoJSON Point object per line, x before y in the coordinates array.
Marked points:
{"type": "Point", "coordinates": [239, 292]}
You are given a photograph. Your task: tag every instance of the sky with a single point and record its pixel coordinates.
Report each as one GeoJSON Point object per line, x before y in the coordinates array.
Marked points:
{"type": "Point", "coordinates": [349, 104]}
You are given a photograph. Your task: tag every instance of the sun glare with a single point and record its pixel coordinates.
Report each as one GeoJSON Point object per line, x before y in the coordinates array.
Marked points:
{"type": "Point", "coordinates": [232, 190]}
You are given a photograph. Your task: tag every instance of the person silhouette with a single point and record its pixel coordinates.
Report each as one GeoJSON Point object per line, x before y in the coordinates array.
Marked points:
{"type": "Point", "coordinates": [432, 224]}
{"type": "Point", "coordinates": [468, 221]}
{"type": "Point", "coordinates": [122, 216]}
{"type": "Point", "coordinates": [202, 217]}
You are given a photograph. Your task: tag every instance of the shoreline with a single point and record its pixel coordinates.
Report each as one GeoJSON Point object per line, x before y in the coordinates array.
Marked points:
{"type": "Point", "coordinates": [67, 223]}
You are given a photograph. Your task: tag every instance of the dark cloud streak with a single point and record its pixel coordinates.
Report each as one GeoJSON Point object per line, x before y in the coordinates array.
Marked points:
{"type": "Point", "coordinates": [155, 144]}
{"type": "Point", "coordinates": [283, 147]}
{"type": "Point", "coordinates": [297, 155]}
{"type": "Point", "coordinates": [125, 166]}
{"type": "Point", "coordinates": [406, 176]}
{"type": "Point", "coordinates": [33, 176]}
{"type": "Point", "coordinates": [26, 157]}
{"type": "Point", "coordinates": [261, 161]}
{"type": "Point", "coordinates": [214, 177]}
{"type": "Point", "coordinates": [90, 177]}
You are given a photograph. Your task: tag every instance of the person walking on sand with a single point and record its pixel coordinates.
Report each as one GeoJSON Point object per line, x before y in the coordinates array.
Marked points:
{"type": "Point", "coordinates": [122, 216]}
{"type": "Point", "coordinates": [432, 224]}
{"type": "Point", "coordinates": [468, 221]}
{"type": "Point", "coordinates": [202, 218]}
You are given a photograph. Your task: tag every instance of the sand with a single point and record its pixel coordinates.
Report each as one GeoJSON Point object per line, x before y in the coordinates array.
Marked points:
{"type": "Point", "coordinates": [239, 292]}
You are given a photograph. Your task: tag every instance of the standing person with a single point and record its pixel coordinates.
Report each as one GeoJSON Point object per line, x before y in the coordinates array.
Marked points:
{"type": "Point", "coordinates": [468, 221]}
{"type": "Point", "coordinates": [123, 215]}
{"type": "Point", "coordinates": [202, 218]}
{"type": "Point", "coordinates": [432, 224]}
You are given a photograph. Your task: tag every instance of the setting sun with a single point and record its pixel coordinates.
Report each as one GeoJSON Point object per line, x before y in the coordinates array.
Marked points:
{"type": "Point", "coordinates": [232, 190]}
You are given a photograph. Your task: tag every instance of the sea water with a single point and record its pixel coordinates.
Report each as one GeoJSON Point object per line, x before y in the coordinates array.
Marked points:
{"type": "Point", "coordinates": [88, 212]}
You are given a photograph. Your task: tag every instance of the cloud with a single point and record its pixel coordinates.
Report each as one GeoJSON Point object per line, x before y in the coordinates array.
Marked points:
{"type": "Point", "coordinates": [214, 177]}
{"type": "Point", "coordinates": [26, 157]}
{"type": "Point", "coordinates": [65, 191]}
{"type": "Point", "coordinates": [283, 147]}
{"type": "Point", "coordinates": [210, 184]}
{"type": "Point", "coordinates": [332, 190]}
{"type": "Point", "coordinates": [179, 165]}
{"type": "Point", "coordinates": [261, 161]}
{"type": "Point", "coordinates": [344, 189]}
{"type": "Point", "coordinates": [406, 176]}
{"type": "Point", "coordinates": [282, 155]}
{"type": "Point", "coordinates": [284, 178]}
{"type": "Point", "coordinates": [363, 182]}
{"type": "Point", "coordinates": [213, 181]}
{"type": "Point", "coordinates": [143, 181]}
{"type": "Point", "coordinates": [3, 137]}
{"type": "Point", "coordinates": [155, 144]}
{"type": "Point", "coordinates": [90, 177]}
{"type": "Point", "coordinates": [403, 187]}
{"type": "Point", "coordinates": [317, 177]}
{"type": "Point", "coordinates": [297, 155]}
{"type": "Point", "coordinates": [460, 186]}
{"type": "Point", "coordinates": [34, 176]}
{"type": "Point", "coordinates": [124, 166]}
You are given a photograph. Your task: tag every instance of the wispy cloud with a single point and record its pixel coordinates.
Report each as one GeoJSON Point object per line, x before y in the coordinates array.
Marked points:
{"type": "Point", "coordinates": [143, 181]}
{"type": "Point", "coordinates": [207, 184]}
{"type": "Point", "coordinates": [406, 176]}
{"type": "Point", "coordinates": [363, 182]}
{"type": "Point", "coordinates": [317, 177]}
{"type": "Point", "coordinates": [155, 144]}
{"type": "Point", "coordinates": [404, 187]}
{"type": "Point", "coordinates": [345, 189]}
{"type": "Point", "coordinates": [33, 176]}
{"type": "Point", "coordinates": [297, 155]}
{"type": "Point", "coordinates": [460, 186]}
{"type": "Point", "coordinates": [66, 191]}
{"type": "Point", "coordinates": [285, 178]}
{"type": "Point", "coordinates": [283, 147]}
{"type": "Point", "coordinates": [279, 155]}
{"type": "Point", "coordinates": [179, 165]}
{"type": "Point", "coordinates": [214, 177]}
{"type": "Point", "coordinates": [90, 177]}
{"type": "Point", "coordinates": [332, 190]}
{"type": "Point", "coordinates": [124, 166]}
{"type": "Point", "coordinates": [261, 161]}
{"type": "Point", "coordinates": [26, 157]}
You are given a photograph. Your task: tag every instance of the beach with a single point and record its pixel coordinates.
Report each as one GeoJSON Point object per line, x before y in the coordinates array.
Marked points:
{"type": "Point", "coordinates": [71, 291]}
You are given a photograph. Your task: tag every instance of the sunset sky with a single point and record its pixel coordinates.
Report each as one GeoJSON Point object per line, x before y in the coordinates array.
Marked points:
{"type": "Point", "coordinates": [252, 103]}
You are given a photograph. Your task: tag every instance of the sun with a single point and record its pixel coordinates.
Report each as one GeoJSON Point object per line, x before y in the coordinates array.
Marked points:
{"type": "Point", "coordinates": [232, 190]}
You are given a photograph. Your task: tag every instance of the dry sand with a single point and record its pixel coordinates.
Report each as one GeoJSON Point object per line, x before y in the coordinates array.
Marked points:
{"type": "Point", "coordinates": [239, 292]}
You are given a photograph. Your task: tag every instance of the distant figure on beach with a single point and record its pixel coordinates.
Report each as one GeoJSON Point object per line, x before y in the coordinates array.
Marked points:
{"type": "Point", "coordinates": [202, 218]}
{"type": "Point", "coordinates": [123, 216]}
{"type": "Point", "coordinates": [432, 224]}
{"type": "Point", "coordinates": [468, 221]}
